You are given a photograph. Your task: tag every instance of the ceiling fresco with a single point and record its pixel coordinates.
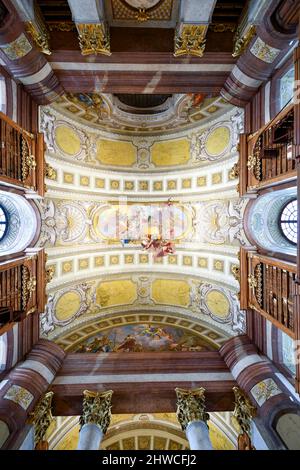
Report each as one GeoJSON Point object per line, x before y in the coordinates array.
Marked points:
{"type": "Point", "coordinates": [109, 189]}
{"type": "Point", "coordinates": [107, 112]}
{"type": "Point", "coordinates": [143, 338]}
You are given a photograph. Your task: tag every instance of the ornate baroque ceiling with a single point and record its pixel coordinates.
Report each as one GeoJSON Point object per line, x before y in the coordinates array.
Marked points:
{"type": "Point", "coordinates": [180, 183]}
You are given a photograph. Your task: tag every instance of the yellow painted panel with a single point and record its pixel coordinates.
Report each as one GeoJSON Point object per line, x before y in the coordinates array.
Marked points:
{"type": "Point", "coordinates": [67, 305]}
{"type": "Point", "coordinates": [218, 141]}
{"type": "Point", "coordinates": [121, 292]}
{"type": "Point", "coordinates": [170, 152]}
{"type": "Point", "coordinates": [116, 153]}
{"type": "Point", "coordinates": [67, 140]}
{"type": "Point", "coordinates": [218, 304]}
{"type": "Point", "coordinates": [171, 292]}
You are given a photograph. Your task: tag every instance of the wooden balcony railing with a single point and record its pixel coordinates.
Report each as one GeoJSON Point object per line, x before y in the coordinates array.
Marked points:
{"type": "Point", "coordinates": [21, 156]}
{"type": "Point", "coordinates": [268, 157]}
{"type": "Point", "coordinates": [272, 291]}
{"type": "Point", "coordinates": [22, 288]}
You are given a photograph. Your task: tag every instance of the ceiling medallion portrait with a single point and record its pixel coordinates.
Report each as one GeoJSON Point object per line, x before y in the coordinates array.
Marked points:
{"type": "Point", "coordinates": [142, 10]}
{"type": "Point", "coordinates": [146, 4]}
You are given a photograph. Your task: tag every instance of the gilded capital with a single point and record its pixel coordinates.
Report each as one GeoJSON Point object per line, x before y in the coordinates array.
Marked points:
{"type": "Point", "coordinates": [242, 42]}
{"type": "Point", "coordinates": [40, 36]}
{"type": "Point", "coordinates": [96, 409]}
{"type": "Point", "coordinates": [93, 38]}
{"type": "Point", "coordinates": [190, 406]}
{"type": "Point", "coordinates": [190, 40]}
{"type": "Point", "coordinates": [244, 411]}
{"type": "Point", "coordinates": [41, 417]}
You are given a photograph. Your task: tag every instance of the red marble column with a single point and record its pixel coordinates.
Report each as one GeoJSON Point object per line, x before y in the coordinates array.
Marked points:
{"type": "Point", "coordinates": [269, 45]}
{"type": "Point", "coordinates": [24, 385]}
{"type": "Point", "coordinates": [23, 60]}
{"type": "Point", "coordinates": [266, 387]}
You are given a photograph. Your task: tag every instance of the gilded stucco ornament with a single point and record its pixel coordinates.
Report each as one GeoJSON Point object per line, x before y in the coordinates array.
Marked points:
{"type": "Point", "coordinates": [50, 271]}
{"type": "Point", "coordinates": [252, 281]}
{"type": "Point", "coordinates": [28, 286]}
{"type": "Point", "coordinates": [190, 406]}
{"type": "Point", "coordinates": [190, 40]}
{"type": "Point", "coordinates": [142, 16]}
{"type": "Point", "coordinates": [236, 272]}
{"type": "Point", "coordinates": [96, 409]}
{"type": "Point", "coordinates": [50, 172]}
{"type": "Point", "coordinates": [28, 160]}
{"type": "Point", "coordinates": [93, 38]}
{"type": "Point", "coordinates": [234, 172]}
{"type": "Point", "coordinates": [242, 42]}
{"type": "Point", "coordinates": [40, 36]}
{"type": "Point", "coordinates": [244, 411]}
{"type": "Point", "coordinates": [41, 417]}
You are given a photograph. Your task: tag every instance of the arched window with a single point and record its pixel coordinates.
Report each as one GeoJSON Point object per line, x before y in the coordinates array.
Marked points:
{"type": "Point", "coordinates": [289, 221]}
{"type": "Point", "coordinates": [3, 223]}
{"type": "Point", "coordinates": [287, 87]}
{"type": "Point", "coordinates": [2, 94]}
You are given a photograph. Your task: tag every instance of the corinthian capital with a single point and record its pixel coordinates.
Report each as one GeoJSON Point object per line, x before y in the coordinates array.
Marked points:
{"type": "Point", "coordinates": [190, 406]}
{"type": "Point", "coordinates": [96, 409]}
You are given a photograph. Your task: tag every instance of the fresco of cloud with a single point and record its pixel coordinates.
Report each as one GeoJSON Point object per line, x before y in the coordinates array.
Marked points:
{"type": "Point", "coordinates": [143, 338]}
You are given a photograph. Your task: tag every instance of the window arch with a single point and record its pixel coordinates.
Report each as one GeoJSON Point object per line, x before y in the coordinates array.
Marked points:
{"type": "Point", "coordinates": [289, 221]}
{"type": "Point", "coordinates": [269, 217]}
{"type": "Point", "coordinates": [3, 223]}
{"type": "Point", "coordinates": [18, 223]}
{"type": "Point", "coordinates": [2, 94]}
{"type": "Point", "coordinates": [287, 87]}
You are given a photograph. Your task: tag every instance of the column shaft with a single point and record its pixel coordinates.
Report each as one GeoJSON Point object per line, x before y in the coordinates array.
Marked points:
{"type": "Point", "coordinates": [198, 436]}
{"type": "Point", "coordinates": [90, 437]}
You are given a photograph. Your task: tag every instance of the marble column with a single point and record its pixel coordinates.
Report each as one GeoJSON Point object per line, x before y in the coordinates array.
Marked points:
{"type": "Point", "coordinates": [95, 419]}
{"type": "Point", "coordinates": [193, 418]}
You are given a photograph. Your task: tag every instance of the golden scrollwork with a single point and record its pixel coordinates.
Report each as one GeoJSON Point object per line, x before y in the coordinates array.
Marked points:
{"type": "Point", "coordinates": [234, 172]}
{"type": "Point", "coordinates": [222, 27]}
{"type": "Point", "coordinates": [50, 173]}
{"type": "Point", "coordinates": [61, 26]}
{"type": "Point", "coordinates": [41, 417]}
{"type": "Point", "coordinates": [96, 409]}
{"type": "Point", "coordinates": [28, 286]}
{"type": "Point", "coordinates": [255, 282]}
{"type": "Point", "coordinates": [252, 281]}
{"type": "Point", "coordinates": [28, 161]}
{"type": "Point", "coordinates": [93, 38]}
{"type": "Point", "coordinates": [244, 411]}
{"type": "Point", "coordinates": [40, 36]}
{"type": "Point", "coordinates": [190, 40]}
{"type": "Point", "coordinates": [236, 272]}
{"type": "Point", "coordinates": [242, 42]}
{"type": "Point", "coordinates": [252, 162]}
{"type": "Point", "coordinates": [50, 271]}
{"type": "Point", "coordinates": [142, 16]}
{"type": "Point", "coordinates": [190, 406]}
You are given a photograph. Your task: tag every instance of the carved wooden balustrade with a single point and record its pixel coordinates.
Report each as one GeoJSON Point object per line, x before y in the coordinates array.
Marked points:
{"type": "Point", "coordinates": [268, 156]}
{"type": "Point", "coordinates": [21, 156]}
{"type": "Point", "coordinates": [22, 288]}
{"type": "Point", "coordinates": [272, 289]}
